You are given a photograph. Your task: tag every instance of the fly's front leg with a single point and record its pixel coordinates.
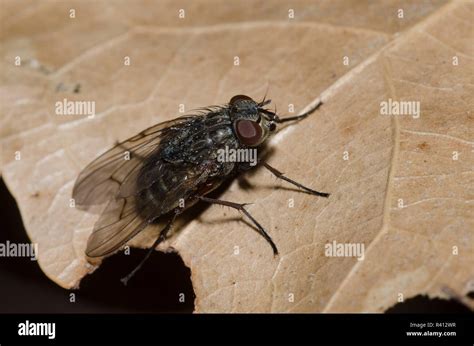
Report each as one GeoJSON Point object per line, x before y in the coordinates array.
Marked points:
{"type": "Point", "coordinates": [301, 116]}
{"type": "Point", "coordinates": [280, 175]}
{"type": "Point", "coordinates": [240, 207]}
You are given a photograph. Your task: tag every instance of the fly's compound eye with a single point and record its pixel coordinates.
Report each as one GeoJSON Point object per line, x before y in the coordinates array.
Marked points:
{"type": "Point", "coordinates": [249, 132]}
{"type": "Point", "coordinates": [238, 98]}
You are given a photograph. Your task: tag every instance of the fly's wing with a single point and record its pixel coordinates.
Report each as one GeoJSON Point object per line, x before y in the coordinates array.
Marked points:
{"type": "Point", "coordinates": [118, 223]}
{"type": "Point", "coordinates": [103, 178]}
{"type": "Point", "coordinates": [131, 208]}
{"type": "Point", "coordinates": [123, 218]}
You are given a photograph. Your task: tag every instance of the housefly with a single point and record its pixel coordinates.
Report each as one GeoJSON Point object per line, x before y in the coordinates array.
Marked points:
{"type": "Point", "coordinates": [167, 168]}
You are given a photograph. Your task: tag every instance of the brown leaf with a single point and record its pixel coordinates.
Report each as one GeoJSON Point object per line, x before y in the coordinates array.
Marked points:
{"type": "Point", "coordinates": [400, 193]}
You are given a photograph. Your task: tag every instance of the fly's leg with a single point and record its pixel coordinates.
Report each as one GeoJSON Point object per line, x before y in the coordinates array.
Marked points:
{"type": "Point", "coordinates": [280, 175]}
{"type": "Point", "coordinates": [298, 117]}
{"type": "Point", "coordinates": [161, 237]}
{"type": "Point", "coordinates": [240, 207]}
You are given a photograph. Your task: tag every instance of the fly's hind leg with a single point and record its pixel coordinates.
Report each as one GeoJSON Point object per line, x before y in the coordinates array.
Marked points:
{"type": "Point", "coordinates": [161, 237]}
{"type": "Point", "coordinates": [240, 207]}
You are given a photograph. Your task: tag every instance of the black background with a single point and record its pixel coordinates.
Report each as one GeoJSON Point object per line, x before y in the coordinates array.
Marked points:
{"type": "Point", "coordinates": [290, 329]}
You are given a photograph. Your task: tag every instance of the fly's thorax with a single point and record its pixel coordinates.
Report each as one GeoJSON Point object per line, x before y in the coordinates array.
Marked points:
{"type": "Point", "coordinates": [194, 142]}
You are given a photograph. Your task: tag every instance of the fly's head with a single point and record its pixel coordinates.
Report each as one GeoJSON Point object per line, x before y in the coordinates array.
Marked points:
{"type": "Point", "coordinates": [252, 123]}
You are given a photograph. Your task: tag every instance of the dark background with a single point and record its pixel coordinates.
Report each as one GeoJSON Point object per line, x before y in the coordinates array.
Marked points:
{"type": "Point", "coordinates": [155, 288]}
{"type": "Point", "coordinates": [25, 289]}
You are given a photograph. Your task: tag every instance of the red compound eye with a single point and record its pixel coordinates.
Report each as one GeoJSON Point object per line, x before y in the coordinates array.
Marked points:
{"type": "Point", "coordinates": [249, 132]}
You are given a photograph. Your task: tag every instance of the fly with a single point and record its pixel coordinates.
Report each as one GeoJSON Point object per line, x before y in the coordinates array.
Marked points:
{"type": "Point", "coordinates": [173, 162]}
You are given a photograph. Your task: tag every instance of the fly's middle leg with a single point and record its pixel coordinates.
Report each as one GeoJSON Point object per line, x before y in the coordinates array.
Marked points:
{"type": "Point", "coordinates": [280, 175]}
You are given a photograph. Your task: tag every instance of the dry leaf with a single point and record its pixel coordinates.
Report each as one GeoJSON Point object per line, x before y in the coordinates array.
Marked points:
{"type": "Point", "coordinates": [401, 193]}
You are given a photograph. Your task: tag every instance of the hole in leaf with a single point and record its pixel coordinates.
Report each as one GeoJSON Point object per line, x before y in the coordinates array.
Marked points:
{"type": "Point", "coordinates": [423, 304]}
{"type": "Point", "coordinates": [162, 284]}
{"type": "Point", "coordinates": [25, 288]}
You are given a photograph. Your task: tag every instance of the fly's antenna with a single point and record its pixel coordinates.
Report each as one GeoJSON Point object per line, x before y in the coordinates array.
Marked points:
{"type": "Point", "coordinates": [265, 96]}
{"type": "Point", "coordinates": [265, 101]}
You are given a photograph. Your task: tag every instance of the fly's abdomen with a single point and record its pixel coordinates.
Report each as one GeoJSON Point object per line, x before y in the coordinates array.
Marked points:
{"type": "Point", "coordinates": [166, 184]}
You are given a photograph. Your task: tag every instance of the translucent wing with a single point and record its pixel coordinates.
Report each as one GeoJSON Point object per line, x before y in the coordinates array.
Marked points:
{"type": "Point", "coordinates": [118, 223]}
{"type": "Point", "coordinates": [131, 207]}
{"type": "Point", "coordinates": [125, 217]}
{"type": "Point", "coordinates": [102, 179]}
